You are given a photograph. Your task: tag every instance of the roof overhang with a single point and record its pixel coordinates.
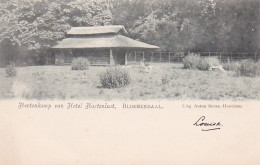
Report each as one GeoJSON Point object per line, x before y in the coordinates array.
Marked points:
{"type": "Point", "coordinates": [102, 42]}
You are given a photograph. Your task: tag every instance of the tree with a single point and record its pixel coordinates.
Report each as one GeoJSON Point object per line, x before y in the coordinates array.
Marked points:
{"type": "Point", "coordinates": [174, 25]}
{"type": "Point", "coordinates": [192, 25]}
{"type": "Point", "coordinates": [38, 24]}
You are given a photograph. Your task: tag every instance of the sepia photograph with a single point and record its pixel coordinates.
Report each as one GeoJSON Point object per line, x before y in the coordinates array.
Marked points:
{"type": "Point", "coordinates": [130, 49]}
{"type": "Point", "coordinates": [129, 82]}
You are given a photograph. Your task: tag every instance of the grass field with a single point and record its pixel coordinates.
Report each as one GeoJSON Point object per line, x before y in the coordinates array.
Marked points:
{"type": "Point", "coordinates": [60, 82]}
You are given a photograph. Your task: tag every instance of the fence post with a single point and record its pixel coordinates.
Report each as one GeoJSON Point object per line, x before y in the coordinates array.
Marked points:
{"type": "Point", "coordinates": [160, 57]}
{"type": "Point", "coordinates": [255, 57]}
{"type": "Point", "coordinates": [231, 57]}
{"type": "Point", "coordinates": [169, 56]}
{"type": "Point", "coordinates": [135, 56]}
{"type": "Point", "coordinates": [220, 56]}
{"type": "Point", "coordinates": [152, 57]}
{"type": "Point", "coordinates": [143, 56]}
{"type": "Point", "coordinates": [209, 54]}
{"type": "Point", "coordinates": [178, 57]}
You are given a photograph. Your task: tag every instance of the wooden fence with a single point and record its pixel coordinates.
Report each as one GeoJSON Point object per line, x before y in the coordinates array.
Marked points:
{"type": "Point", "coordinates": [176, 57]}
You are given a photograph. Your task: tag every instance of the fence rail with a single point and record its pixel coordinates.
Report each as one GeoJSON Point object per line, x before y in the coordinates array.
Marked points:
{"type": "Point", "coordinates": [176, 57]}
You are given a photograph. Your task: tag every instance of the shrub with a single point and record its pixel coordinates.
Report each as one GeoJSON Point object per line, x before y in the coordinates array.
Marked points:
{"type": "Point", "coordinates": [204, 64]}
{"type": "Point", "coordinates": [114, 77]}
{"type": "Point", "coordinates": [10, 71]}
{"type": "Point", "coordinates": [231, 66]}
{"type": "Point", "coordinates": [165, 79]}
{"type": "Point", "coordinates": [80, 63]}
{"type": "Point", "coordinates": [191, 61]}
{"type": "Point", "coordinates": [195, 61]}
{"type": "Point", "coordinates": [247, 68]}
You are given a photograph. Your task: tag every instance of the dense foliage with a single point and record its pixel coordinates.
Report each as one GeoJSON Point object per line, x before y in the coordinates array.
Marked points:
{"type": "Point", "coordinates": [195, 61]}
{"type": "Point", "coordinates": [114, 77]}
{"type": "Point", "coordinates": [195, 25]}
{"type": "Point", "coordinates": [247, 68]}
{"type": "Point", "coordinates": [80, 63]}
{"type": "Point", "coordinates": [231, 66]}
{"type": "Point", "coordinates": [36, 25]}
{"type": "Point", "coordinates": [28, 28]}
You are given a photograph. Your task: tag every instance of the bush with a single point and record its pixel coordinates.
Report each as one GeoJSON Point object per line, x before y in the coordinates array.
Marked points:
{"type": "Point", "coordinates": [195, 61]}
{"type": "Point", "coordinates": [191, 61]}
{"type": "Point", "coordinates": [205, 63]}
{"type": "Point", "coordinates": [80, 63]}
{"type": "Point", "coordinates": [231, 66]}
{"type": "Point", "coordinates": [247, 68]}
{"type": "Point", "coordinates": [114, 77]}
{"type": "Point", "coordinates": [10, 71]}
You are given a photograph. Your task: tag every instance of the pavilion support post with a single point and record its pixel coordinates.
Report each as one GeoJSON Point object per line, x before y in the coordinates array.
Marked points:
{"type": "Point", "coordinates": [126, 58]}
{"type": "Point", "coordinates": [111, 59]}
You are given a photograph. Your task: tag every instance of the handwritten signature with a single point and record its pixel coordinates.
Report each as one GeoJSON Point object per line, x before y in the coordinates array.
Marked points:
{"type": "Point", "coordinates": [211, 125]}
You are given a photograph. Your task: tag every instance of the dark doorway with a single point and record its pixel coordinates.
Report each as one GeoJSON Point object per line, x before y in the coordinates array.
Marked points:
{"type": "Point", "coordinates": [119, 56]}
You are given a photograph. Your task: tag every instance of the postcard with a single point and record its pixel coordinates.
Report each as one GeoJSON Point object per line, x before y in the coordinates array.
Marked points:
{"type": "Point", "coordinates": [129, 82]}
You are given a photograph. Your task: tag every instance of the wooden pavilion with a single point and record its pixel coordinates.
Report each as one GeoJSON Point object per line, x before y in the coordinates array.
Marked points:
{"type": "Point", "coordinates": [102, 45]}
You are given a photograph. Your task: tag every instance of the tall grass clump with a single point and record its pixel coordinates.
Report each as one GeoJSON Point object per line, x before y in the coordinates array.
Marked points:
{"type": "Point", "coordinates": [80, 63]}
{"type": "Point", "coordinates": [114, 77]}
{"type": "Point", "coordinates": [10, 71]}
{"type": "Point", "coordinates": [247, 68]}
{"type": "Point", "coordinates": [231, 66]}
{"type": "Point", "coordinates": [195, 61]}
